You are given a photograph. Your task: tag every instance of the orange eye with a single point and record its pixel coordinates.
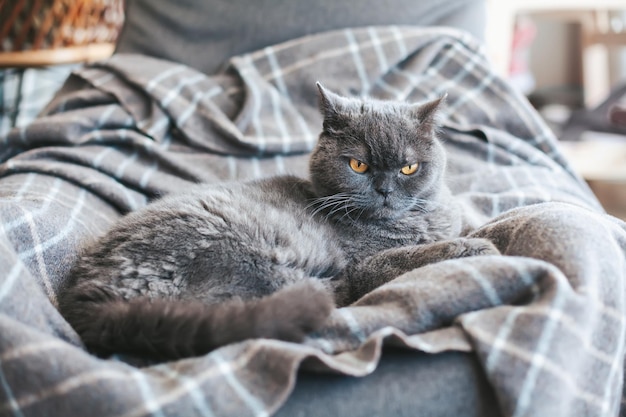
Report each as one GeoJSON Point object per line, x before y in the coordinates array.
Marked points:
{"type": "Point", "coordinates": [410, 169]}
{"type": "Point", "coordinates": [358, 166]}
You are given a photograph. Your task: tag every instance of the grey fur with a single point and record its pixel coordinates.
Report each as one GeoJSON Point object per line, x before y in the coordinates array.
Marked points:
{"type": "Point", "coordinates": [221, 263]}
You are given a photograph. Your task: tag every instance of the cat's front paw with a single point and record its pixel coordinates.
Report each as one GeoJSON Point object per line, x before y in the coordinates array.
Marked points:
{"type": "Point", "coordinates": [465, 247]}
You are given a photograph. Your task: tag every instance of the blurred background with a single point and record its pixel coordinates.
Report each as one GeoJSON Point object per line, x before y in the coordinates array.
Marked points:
{"type": "Point", "coordinates": [569, 58]}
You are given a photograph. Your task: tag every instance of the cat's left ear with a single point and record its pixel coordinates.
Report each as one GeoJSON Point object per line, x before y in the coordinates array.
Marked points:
{"type": "Point", "coordinates": [426, 113]}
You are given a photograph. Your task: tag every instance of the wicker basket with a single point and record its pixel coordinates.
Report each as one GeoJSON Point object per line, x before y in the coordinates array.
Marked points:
{"type": "Point", "coordinates": [51, 25]}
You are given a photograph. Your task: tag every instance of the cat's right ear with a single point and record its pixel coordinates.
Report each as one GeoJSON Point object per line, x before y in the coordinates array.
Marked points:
{"type": "Point", "coordinates": [332, 106]}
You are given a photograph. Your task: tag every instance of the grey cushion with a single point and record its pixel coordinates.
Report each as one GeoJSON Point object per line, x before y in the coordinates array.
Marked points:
{"type": "Point", "coordinates": [204, 34]}
{"type": "Point", "coordinates": [405, 384]}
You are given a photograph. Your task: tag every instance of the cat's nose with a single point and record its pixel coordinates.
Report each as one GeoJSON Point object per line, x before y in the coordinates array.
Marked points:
{"type": "Point", "coordinates": [384, 191]}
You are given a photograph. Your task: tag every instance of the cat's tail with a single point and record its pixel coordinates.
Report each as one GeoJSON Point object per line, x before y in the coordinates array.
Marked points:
{"type": "Point", "coordinates": [164, 329]}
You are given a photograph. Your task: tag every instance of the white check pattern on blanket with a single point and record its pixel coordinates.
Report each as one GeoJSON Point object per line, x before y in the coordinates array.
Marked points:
{"type": "Point", "coordinates": [546, 321]}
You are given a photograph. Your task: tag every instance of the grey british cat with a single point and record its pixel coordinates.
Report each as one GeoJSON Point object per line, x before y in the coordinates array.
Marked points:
{"type": "Point", "coordinates": [222, 263]}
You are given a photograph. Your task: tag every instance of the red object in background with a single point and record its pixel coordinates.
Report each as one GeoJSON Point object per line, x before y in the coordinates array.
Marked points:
{"type": "Point", "coordinates": [524, 35]}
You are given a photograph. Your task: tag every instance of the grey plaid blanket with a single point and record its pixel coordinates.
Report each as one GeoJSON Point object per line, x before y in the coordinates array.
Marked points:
{"type": "Point", "coordinates": [546, 321]}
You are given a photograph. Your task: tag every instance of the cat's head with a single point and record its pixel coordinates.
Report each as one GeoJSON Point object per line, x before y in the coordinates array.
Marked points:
{"type": "Point", "coordinates": [376, 159]}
